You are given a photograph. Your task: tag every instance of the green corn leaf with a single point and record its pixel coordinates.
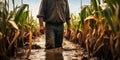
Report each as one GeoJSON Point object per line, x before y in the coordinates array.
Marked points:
{"type": "Point", "coordinates": [107, 14]}
{"type": "Point", "coordinates": [95, 6]}
{"type": "Point", "coordinates": [19, 12]}
{"type": "Point", "coordinates": [111, 5]}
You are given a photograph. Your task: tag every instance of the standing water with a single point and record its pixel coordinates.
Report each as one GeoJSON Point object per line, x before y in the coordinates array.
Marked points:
{"type": "Point", "coordinates": [70, 51]}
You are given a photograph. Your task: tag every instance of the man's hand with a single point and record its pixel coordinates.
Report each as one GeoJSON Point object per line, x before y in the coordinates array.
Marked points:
{"type": "Point", "coordinates": [69, 30]}
{"type": "Point", "coordinates": [42, 29]}
{"type": "Point", "coordinates": [68, 27]}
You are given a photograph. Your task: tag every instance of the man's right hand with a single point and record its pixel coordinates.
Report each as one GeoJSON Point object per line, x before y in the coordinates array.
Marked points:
{"type": "Point", "coordinates": [42, 29]}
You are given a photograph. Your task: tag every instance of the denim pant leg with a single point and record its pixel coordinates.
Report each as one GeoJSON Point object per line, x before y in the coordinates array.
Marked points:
{"type": "Point", "coordinates": [59, 36]}
{"type": "Point", "coordinates": [54, 35]}
{"type": "Point", "coordinates": [50, 36]}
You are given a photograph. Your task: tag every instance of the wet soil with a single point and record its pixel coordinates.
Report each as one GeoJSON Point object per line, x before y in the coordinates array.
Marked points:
{"type": "Point", "coordinates": [70, 51]}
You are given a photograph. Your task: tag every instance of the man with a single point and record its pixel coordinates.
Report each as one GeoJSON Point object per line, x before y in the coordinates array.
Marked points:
{"type": "Point", "coordinates": [54, 13]}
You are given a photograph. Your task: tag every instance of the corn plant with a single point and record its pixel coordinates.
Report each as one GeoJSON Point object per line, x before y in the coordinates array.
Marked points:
{"type": "Point", "coordinates": [5, 25]}
{"type": "Point", "coordinates": [77, 23]}
{"type": "Point", "coordinates": [71, 36]}
{"type": "Point", "coordinates": [14, 27]}
{"type": "Point", "coordinates": [98, 29]}
{"type": "Point", "coordinates": [97, 40]}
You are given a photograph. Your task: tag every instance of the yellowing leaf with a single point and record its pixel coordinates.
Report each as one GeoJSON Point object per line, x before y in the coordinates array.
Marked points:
{"type": "Point", "coordinates": [30, 44]}
{"type": "Point", "coordinates": [13, 24]}
{"type": "Point", "coordinates": [91, 17]}
{"type": "Point", "coordinates": [14, 39]}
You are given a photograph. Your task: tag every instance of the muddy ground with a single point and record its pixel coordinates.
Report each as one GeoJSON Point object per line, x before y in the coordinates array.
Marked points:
{"type": "Point", "coordinates": [70, 51]}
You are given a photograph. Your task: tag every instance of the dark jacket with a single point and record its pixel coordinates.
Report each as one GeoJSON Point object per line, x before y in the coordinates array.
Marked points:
{"type": "Point", "coordinates": [54, 11]}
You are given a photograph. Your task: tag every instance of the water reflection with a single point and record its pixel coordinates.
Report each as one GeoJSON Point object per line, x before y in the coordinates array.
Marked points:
{"type": "Point", "coordinates": [54, 55]}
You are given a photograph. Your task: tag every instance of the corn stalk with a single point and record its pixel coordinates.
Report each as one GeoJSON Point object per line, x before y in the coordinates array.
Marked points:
{"type": "Point", "coordinates": [97, 28]}
{"type": "Point", "coordinates": [107, 24]}
{"type": "Point", "coordinates": [11, 24]}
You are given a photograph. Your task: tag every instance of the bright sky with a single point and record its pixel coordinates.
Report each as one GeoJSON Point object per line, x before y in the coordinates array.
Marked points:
{"type": "Point", "coordinates": [34, 5]}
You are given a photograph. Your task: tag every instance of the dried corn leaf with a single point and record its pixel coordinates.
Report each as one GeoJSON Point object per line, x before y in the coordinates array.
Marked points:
{"type": "Point", "coordinates": [91, 17]}
{"type": "Point", "coordinates": [30, 44]}
{"type": "Point", "coordinates": [98, 48]}
{"type": "Point", "coordinates": [13, 24]}
{"type": "Point", "coordinates": [14, 39]}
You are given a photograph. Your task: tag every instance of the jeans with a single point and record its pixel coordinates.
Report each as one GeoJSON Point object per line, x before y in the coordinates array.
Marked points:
{"type": "Point", "coordinates": [54, 35]}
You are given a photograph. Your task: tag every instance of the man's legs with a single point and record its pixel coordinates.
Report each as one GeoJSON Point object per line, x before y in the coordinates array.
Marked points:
{"type": "Point", "coordinates": [54, 35]}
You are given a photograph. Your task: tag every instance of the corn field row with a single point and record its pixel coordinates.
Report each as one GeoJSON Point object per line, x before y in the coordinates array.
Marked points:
{"type": "Point", "coordinates": [16, 27]}
{"type": "Point", "coordinates": [97, 29]}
